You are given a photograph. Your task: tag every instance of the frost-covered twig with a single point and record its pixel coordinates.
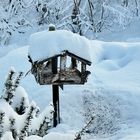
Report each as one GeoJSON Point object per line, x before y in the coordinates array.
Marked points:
{"type": "Point", "coordinates": [80, 133]}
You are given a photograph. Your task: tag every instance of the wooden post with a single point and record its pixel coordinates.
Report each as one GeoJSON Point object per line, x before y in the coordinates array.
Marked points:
{"type": "Point", "coordinates": [56, 115]}
{"type": "Point", "coordinates": [55, 89]}
{"type": "Point", "coordinates": [63, 59]}
{"type": "Point", "coordinates": [55, 96]}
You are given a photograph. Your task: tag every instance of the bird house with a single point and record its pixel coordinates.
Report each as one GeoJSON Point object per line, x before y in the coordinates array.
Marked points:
{"type": "Point", "coordinates": [59, 57]}
{"type": "Point", "coordinates": [56, 70]}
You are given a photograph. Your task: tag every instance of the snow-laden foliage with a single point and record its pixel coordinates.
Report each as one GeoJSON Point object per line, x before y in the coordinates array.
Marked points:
{"type": "Point", "coordinates": [105, 110]}
{"type": "Point", "coordinates": [11, 85]}
{"type": "Point", "coordinates": [2, 114]}
{"type": "Point", "coordinates": [79, 16]}
{"type": "Point", "coordinates": [20, 117]}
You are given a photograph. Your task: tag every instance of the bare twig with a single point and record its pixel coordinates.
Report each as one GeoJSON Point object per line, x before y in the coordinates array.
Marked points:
{"type": "Point", "coordinates": [80, 133]}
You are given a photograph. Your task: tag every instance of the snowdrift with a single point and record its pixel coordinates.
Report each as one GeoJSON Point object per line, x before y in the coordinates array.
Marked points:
{"type": "Point", "coordinates": [112, 93]}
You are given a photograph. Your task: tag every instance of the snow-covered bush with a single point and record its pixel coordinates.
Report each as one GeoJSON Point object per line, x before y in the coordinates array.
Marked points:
{"type": "Point", "coordinates": [12, 122]}
{"type": "Point", "coordinates": [105, 110]}
{"type": "Point", "coordinates": [12, 19]}
{"type": "Point", "coordinates": [11, 85]}
{"type": "Point", "coordinates": [18, 117]}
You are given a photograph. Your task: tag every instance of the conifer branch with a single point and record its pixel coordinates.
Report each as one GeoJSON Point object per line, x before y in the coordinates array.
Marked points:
{"type": "Point", "coordinates": [2, 115]}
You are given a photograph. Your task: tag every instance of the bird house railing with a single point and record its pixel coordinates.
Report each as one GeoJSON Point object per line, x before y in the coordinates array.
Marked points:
{"type": "Point", "coordinates": [64, 74]}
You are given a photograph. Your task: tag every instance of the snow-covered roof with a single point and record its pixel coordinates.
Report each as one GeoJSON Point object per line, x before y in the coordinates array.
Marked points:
{"type": "Point", "coordinates": [47, 44]}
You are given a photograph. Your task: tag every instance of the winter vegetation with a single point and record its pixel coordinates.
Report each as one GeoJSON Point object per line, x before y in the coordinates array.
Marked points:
{"type": "Point", "coordinates": [87, 18]}
{"type": "Point", "coordinates": [17, 115]}
{"type": "Point", "coordinates": [104, 32]}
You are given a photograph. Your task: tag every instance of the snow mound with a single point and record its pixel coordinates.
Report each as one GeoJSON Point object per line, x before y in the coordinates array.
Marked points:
{"type": "Point", "coordinates": [46, 44]}
{"type": "Point", "coordinates": [7, 136]}
{"type": "Point", "coordinates": [58, 136]}
{"type": "Point", "coordinates": [34, 137]}
{"type": "Point", "coordinates": [112, 56]}
{"type": "Point", "coordinates": [19, 94]}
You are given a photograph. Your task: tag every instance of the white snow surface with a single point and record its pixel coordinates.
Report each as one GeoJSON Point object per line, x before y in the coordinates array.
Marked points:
{"type": "Point", "coordinates": [46, 44]}
{"type": "Point", "coordinates": [20, 92]}
{"type": "Point", "coordinates": [112, 92]}
{"type": "Point", "coordinates": [7, 136]}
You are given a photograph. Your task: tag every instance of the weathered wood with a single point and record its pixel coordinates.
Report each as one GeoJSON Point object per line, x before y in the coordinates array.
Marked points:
{"type": "Point", "coordinates": [83, 67]}
{"type": "Point", "coordinates": [61, 86]}
{"type": "Point", "coordinates": [55, 96]}
{"type": "Point", "coordinates": [78, 58]}
{"type": "Point", "coordinates": [44, 75]}
{"type": "Point", "coordinates": [63, 59]}
{"type": "Point", "coordinates": [54, 65]}
{"type": "Point", "coordinates": [55, 88]}
{"type": "Point", "coordinates": [47, 59]}
{"type": "Point", "coordinates": [73, 63]}
{"type": "Point", "coordinates": [69, 54]}
{"type": "Point", "coordinates": [69, 76]}
{"type": "Point", "coordinates": [83, 72]}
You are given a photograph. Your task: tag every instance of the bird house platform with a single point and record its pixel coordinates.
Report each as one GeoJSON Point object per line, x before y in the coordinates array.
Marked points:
{"type": "Point", "coordinates": [71, 72]}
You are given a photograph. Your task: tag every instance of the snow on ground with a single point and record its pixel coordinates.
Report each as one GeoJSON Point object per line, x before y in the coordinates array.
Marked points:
{"type": "Point", "coordinates": [112, 92]}
{"type": "Point", "coordinates": [130, 34]}
{"type": "Point", "coordinates": [116, 73]}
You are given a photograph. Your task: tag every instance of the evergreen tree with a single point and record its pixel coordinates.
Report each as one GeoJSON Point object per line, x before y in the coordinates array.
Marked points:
{"type": "Point", "coordinates": [2, 115]}
{"type": "Point", "coordinates": [46, 123]}
{"type": "Point", "coordinates": [44, 126]}
{"type": "Point", "coordinates": [37, 111]}
{"type": "Point", "coordinates": [22, 107]}
{"type": "Point", "coordinates": [32, 112]}
{"type": "Point", "coordinates": [9, 88]}
{"type": "Point", "coordinates": [13, 128]}
{"type": "Point", "coordinates": [17, 81]}
{"type": "Point", "coordinates": [25, 129]}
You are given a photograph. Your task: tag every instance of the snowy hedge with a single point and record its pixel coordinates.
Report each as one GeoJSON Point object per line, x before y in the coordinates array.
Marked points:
{"type": "Point", "coordinates": [18, 117]}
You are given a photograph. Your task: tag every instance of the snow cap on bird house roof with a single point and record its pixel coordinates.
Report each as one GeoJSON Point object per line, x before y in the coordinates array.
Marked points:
{"type": "Point", "coordinates": [47, 44]}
